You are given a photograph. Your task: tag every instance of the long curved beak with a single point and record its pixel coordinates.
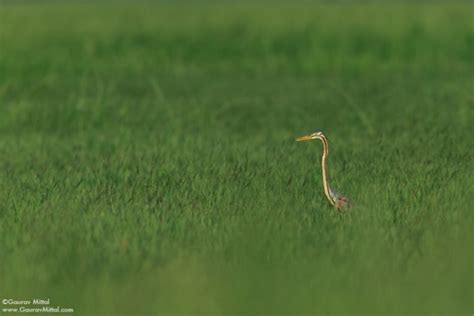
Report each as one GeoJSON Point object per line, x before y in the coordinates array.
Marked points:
{"type": "Point", "coordinates": [303, 138]}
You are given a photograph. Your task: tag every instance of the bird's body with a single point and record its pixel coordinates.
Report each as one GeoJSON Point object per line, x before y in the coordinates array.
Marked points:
{"type": "Point", "coordinates": [340, 201]}
{"type": "Point", "coordinates": [336, 199]}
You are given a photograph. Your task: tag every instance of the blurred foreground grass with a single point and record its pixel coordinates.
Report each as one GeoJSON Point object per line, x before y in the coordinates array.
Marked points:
{"type": "Point", "coordinates": [148, 162]}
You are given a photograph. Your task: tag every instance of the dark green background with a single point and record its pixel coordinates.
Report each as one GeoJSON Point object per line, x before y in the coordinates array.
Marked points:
{"type": "Point", "coordinates": [148, 162]}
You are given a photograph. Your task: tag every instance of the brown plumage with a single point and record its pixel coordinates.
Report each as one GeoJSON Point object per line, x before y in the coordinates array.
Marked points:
{"type": "Point", "coordinates": [336, 199]}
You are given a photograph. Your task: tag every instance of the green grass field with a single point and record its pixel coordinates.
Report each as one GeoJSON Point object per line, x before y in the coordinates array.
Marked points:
{"type": "Point", "coordinates": [148, 162]}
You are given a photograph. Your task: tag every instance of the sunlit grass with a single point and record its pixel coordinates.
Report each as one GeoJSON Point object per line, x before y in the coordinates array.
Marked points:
{"type": "Point", "coordinates": [148, 162]}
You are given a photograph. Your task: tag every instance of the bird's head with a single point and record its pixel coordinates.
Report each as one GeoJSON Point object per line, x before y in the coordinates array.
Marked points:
{"type": "Point", "coordinates": [315, 135]}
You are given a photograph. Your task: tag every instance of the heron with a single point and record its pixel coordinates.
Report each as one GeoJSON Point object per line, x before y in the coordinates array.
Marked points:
{"type": "Point", "coordinates": [336, 199]}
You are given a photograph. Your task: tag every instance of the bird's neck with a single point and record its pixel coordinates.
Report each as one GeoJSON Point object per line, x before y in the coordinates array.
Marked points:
{"type": "Point", "coordinates": [327, 190]}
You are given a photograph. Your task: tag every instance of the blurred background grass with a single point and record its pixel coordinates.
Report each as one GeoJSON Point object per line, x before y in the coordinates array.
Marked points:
{"type": "Point", "coordinates": [148, 162]}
